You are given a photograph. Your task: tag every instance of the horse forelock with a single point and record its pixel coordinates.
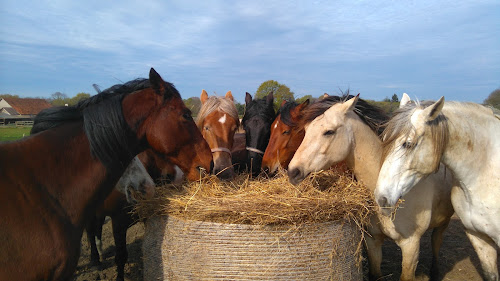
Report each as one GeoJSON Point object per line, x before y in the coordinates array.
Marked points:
{"type": "Point", "coordinates": [213, 104]}
{"type": "Point", "coordinates": [400, 125]}
{"type": "Point", "coordinates": [285, 113]}
{"type": "Point", "coordinates": [259, 108]}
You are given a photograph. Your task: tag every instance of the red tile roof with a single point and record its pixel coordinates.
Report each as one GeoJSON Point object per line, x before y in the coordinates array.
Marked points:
{"type": "Point", "coordinates": [28, 106]}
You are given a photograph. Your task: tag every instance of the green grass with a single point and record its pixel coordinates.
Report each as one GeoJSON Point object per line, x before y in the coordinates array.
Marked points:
{"type": "Point", "coordinates": [8, 133]}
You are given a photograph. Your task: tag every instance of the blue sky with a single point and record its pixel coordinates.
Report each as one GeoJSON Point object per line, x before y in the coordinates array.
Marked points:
{"type": "Point", "coordinates": [377, 48]}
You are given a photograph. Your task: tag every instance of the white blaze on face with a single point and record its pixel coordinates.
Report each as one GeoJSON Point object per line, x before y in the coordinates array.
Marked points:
{"type": "Point", "coordinates": [276, 125]}
{"type": "Point", "coordinates": [222, 120]}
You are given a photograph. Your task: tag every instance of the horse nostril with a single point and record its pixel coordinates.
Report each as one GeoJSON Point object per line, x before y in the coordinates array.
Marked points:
{"type": "Point", "coordinates": [211, 166]}
{"type": "Point", "coordinates": [382, 201]}
{"type": "Point", "coordinates": [294, 175]}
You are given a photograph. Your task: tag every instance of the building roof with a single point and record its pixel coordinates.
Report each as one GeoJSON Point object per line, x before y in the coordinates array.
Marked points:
{"type": "Point", "coordinates": [9, 111]}
{"type": "Point", "coordinates": [27, 106]}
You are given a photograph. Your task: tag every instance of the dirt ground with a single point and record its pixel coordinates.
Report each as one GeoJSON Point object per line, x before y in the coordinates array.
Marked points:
{"type": "Point", "coordinates": [458, 261]}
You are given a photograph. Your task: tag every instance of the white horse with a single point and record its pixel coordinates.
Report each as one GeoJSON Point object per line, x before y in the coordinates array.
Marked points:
{"type": "Point", "coordinates": [466, 138]}
{"type": "Point", "coordinates": [136, 179]}
{"type": "Point", "coordinates": [347, 131]}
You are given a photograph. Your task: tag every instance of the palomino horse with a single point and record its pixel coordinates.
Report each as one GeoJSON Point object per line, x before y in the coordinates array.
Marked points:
{"type": "Point", "coordinates": [286, 135]}
{"type": "Point", "coordinates": [466, 138]}
{"type": "Point", "coordinates": [259, 115]}
{"type": "Point", "coordinates": [52, 182]}
{"type": "Point", "coordinates": [218, 121]}
{"type": "Point", "coordinates": [348, 131]}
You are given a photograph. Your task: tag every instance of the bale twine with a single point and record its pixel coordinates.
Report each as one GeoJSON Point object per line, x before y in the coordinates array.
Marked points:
{"type": "Point", "coordinates": [257, 229]}
{"type": "Point", "coordinates": [177, 249]}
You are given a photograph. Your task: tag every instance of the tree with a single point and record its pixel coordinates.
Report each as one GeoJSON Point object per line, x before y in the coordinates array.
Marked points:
{"type": "Point", "coordinates": [58, 99]}
{"type": "Point", "coordinates": [493, 99]}
{"type": "Point", "coordinates": [304, 98]}
{"type": "Point", "coordinates": [241, 108]}
{"type": "Point", "coordinates": [394, 98]}
{"type": "Point", "coordinates": [79, 97]}
{"type": "Point", "coordinates": [280, 92]}
{"type": "Point", "coordinates": [194, 104]}
{"type": "Point", "coordinates": [9, 96]}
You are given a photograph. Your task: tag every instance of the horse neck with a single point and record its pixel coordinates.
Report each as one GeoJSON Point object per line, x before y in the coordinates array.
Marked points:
{"type": "Point", "coordinates": [471, 144]}
{"type": "Point", "coordinates": [366, 153]}
{"type": "Point", "coordinates": [82, 182]}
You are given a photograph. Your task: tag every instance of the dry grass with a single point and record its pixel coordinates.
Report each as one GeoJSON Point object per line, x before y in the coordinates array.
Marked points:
{"type": "Point", "coordinates": [325, 196]}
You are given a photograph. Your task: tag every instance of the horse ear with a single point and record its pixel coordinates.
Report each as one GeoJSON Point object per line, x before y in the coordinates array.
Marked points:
{"type": "Point", "coordinates": [433, 111]}
{"type": "Point", "coordinates": [157, 83]}
{"type": "Point", "coordinates": [229, 95]}
{"type": "Point", "coordinates": [296, 112]}
{"type": "Point", "coordinates": [270, 99]}
{"type": "Point", "coordinates": [405, 99]}
{"type": "Point", "coordinates": [248, 98]}
{"type": "Point", "coordinates": [203, 96]}
{"type": "Point", "coordinates": [350, 104]}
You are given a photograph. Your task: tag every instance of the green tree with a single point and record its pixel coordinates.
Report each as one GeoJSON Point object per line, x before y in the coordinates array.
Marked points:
{"type": "Point", "coordinates": [280, 92]}
{"type": "Point", "coordinates": [493, 99]}
{"type": "Point", "coordinates": [194, 104]}
{"type": "Point", "coordinates": [241, 108]}
{"type": "Point", "coordinates": [9, 96]}
{"type": "Point", "coordinates": [394, 98]}
{"type": "Point", "coordinates": [304, 98]}
{"type": "Point", "coordinates": [79, 97]}
{"type": "Point", "coordinates": [58, 99]}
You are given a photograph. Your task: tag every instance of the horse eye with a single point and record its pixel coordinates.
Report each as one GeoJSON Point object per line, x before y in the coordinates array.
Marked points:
{"type": "Point", "coordinates": [287, 132]}
{"type": "Point", "coordinates": [408, 145]}
{"type": "Point", "coordinates": [186, 115]}
{"type": "Point", "coordinates": [329, 133]}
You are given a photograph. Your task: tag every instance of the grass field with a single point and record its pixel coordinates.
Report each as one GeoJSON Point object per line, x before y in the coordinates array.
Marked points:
{"type": "Point", "coordinates": [8, 133]}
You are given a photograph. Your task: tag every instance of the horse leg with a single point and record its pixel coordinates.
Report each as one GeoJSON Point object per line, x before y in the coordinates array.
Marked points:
{"type": "Point", "coordinates": [121, 223]}
{"type": "Point", "coordinates": [487, 253]}
{"type": "Point", "coordinates": [98, 235]}
{"type": "Point", "coordinates": [374, 251]}
{"type": "Point", "coordinates": [91, 232]}
{"type": "Point", "coordinates": [437, 240]}
{"type": "Point", "coordinates": [410, 249]}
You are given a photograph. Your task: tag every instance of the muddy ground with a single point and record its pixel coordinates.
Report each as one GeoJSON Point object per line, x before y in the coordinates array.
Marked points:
{"type": "Point", "coordinates": [458, 261]}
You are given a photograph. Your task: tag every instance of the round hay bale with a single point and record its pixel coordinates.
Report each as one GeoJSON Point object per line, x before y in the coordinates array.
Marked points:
{"type": "Point", "coordinates": [177, 249]}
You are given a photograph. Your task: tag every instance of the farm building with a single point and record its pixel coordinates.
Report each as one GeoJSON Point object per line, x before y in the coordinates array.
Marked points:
{"type": "Point", "coordinates": [20, 109]}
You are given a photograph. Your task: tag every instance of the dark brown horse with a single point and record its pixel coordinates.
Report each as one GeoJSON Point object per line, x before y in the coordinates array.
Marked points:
{"type": "Point", "coordinates": [259, 115]}
{"type": "Point", "coordinates": [52, 182]}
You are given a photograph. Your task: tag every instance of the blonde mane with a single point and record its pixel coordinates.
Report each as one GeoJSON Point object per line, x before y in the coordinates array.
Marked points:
{"type": "Point", "coordinates": [214, 103]}
{"type": "Point", "coordinates": [400, 126]}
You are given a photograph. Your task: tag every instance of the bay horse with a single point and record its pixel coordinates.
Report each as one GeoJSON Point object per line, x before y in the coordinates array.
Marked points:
{"type": "Point", "coordinates": [218, 121]}
{"type": "Point", "coordinates": [466, 138]}
{"type": "Point", "coordinates": [118, 206]}
{"type": "Point", "coordinates": [257, 120]}
{"type": "Point", "coordinates": [53, 181]}
{"type": "Point", "coordinates": [287, 133]}
{"type": "Point", "coordinates": [349, 131]}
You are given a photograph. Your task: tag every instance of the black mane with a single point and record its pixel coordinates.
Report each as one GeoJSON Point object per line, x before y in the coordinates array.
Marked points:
{"type": "Point", "coordinates": [372, 115]}
{"type": "Point", "coordinates": [259, 108]}
{"type": "Point", "coordinates": [111, 140]}
{"type": "Point", "coordinates": [285, 113]}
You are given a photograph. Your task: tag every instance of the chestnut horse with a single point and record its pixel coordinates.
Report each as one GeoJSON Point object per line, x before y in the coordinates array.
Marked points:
{"type": "Point", "coordinates": [287, 133]}
{"type": "Point", "coordinates": [53, 181]}
{"type": "Point", "coordinates": [218, 121]}
{"type": "Point", "coordinates": [259, 115]}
